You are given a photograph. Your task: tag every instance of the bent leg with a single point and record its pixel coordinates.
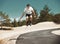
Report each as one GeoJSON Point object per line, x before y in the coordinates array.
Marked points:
{"type": "Point", "coordinates": [27, 20]}
{"type": "Point", "coordinates": [31, 18]}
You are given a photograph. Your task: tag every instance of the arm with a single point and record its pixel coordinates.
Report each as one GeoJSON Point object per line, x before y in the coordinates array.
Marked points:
{"type": "Point", "coordinates": [22, 15]}
{"type": "Point", "coordinates": [34, 13]}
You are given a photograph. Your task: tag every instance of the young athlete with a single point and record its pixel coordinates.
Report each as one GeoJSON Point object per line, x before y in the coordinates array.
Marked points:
{"type": "Point", "coordinates": [28, 11]}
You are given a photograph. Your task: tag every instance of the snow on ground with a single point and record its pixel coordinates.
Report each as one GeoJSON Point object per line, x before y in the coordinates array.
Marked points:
{"type": "Point", "coordinates": [5, 36]}
{"type": "Point", "coordinates": [57, 32]}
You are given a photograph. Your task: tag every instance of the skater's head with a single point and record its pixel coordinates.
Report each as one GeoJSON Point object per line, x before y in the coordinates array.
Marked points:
{"type": "Point", "coordinates": [28, 5]}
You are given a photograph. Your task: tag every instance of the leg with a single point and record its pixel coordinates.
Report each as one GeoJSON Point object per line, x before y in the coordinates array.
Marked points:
{"type": "Point", "coordinates": [31, 18]}
{"type": "Point", "coordinates": [27, 20]}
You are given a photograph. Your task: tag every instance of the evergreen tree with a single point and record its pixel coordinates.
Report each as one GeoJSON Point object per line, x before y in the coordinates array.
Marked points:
{"type": "Point", "coordinates": [56, 18]}
{"type": "Point", "coordinates": [15, 23]}
{"type": "Point", "coordinates": [45, 15]}
{"type": "Point", "coordinates": [6, 17]}
{"type": "Point", "coordinates": [19, 23]}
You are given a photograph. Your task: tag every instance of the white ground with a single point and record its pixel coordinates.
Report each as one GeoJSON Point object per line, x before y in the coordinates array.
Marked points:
{"type": "Point", "coordinates": [5, 36]}
{"type": "Point", "coordinates": [57, 32]}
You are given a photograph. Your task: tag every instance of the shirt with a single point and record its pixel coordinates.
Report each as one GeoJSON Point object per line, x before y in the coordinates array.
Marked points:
{"type": "Point", "coordinates": [28, 11]}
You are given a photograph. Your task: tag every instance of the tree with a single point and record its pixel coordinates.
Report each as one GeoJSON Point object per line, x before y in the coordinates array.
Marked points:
{"type": "Point", "coordinates": [23, 22]}
{"type": "Point", "coordinates": [46, 9]}
{"type": "Point", "coordinates": [6, 17]}
{"type": "Point", "coordinates": [15, 24]}
{"type": "Point", "coordinates": [19, 23]}
{"type": "Point", "coordinates": [44, 14]}
{"type": "Point", "coordinates": [56, 18]}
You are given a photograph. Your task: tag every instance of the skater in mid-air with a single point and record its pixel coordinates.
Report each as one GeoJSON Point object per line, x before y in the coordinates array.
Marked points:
{"type": "Point", "coordinates": [28, 11]}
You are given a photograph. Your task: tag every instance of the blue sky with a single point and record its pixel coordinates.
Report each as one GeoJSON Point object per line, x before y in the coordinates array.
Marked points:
{"type": "Point", "coordinates": [14, 8]}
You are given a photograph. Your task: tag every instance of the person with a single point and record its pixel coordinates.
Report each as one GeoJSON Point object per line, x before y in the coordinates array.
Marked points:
{"type": "Point", "coordinates": [28, 11]}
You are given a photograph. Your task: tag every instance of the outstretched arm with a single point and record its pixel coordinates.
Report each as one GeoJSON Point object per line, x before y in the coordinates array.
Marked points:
{"type": "Point", "coordinates": [22, 15]}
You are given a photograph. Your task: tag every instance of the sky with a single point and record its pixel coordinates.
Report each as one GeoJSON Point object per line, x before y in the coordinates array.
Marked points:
{"type": "Point", "coordinates": [14, 8]}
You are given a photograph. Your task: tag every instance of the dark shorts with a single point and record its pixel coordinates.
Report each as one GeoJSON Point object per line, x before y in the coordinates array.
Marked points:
{"type": "Point", "coordinates": [28, 15]}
